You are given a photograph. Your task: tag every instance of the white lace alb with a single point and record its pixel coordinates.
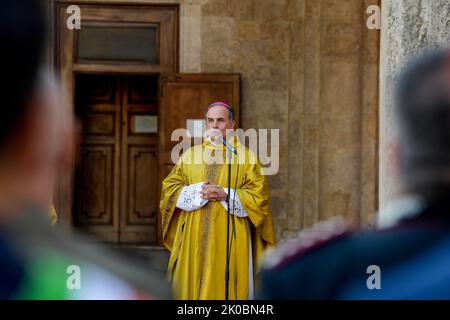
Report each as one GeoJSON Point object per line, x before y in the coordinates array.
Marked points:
{"type": "Point", "coordinates": [190, 199]}
{"type": "Point", "coordinates": [239, 210]}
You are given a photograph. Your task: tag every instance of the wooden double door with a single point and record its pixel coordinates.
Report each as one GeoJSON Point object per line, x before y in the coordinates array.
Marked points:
{"type": "Point", "coordinates": [116, 177]}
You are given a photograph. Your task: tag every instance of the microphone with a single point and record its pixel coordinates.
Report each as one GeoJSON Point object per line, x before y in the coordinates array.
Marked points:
{"type": "Point", "coordinates": [227, 145]}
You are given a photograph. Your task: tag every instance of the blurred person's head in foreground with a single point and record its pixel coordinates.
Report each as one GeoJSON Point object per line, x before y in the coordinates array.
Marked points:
{"type": "Point", "coordinates": [37, 261]}
{"type": "Point", "coordinates": [423, 118]}
{"type": "Point", "coordinates": [34, 127]}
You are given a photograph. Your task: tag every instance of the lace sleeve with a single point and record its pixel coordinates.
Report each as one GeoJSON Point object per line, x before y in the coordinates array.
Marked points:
{"type": "Point", "coordinates": [190, 198]}
{"type": "Point", "coordinates": [238, 208]}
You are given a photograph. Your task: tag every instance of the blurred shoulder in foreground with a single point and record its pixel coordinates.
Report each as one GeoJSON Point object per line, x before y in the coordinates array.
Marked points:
{"type": "Point", "coordinates": [44, 262]}
{"type": "Point", "coordinates": [408, 256]}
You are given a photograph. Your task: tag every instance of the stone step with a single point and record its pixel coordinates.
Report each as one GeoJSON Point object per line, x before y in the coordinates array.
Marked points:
{"type": "Point", "coordinates": [154, 257]}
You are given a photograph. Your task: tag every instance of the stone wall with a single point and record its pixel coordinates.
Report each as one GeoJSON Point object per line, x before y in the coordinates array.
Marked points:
{"type": "Point", "coordinates": [409, 27]}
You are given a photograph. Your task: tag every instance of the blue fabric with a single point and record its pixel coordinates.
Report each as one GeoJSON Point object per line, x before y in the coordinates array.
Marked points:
{"type": "Point", "coordinates": [423, 276]}
{"type": "Point", "coordinates": [11, 268]}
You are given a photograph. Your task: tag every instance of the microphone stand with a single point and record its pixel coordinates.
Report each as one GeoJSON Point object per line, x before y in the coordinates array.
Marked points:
{"type": "Point", "coordinates": [227, 266]}
{"type": "Point", "coordinates": [230, 152]}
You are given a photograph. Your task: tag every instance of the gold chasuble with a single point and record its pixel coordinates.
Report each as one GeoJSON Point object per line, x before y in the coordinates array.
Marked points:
{"type": "Point", "coordinates": [197, 239]}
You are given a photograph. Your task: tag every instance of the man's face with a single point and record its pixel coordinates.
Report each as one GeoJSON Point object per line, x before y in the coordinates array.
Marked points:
{"type": "Point", "coordinates": [218, 118]}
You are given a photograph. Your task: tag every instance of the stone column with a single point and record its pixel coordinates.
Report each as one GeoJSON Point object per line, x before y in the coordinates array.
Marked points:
{"type": "Point", "coordinates": [409, 27]}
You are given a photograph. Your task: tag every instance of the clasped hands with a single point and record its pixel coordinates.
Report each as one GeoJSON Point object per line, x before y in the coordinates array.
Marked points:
{"type": "Point", "coordinates": [212, 192]}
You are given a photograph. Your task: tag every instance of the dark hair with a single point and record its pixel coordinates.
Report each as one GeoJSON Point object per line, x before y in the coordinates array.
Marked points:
{"type": "Point", "coordinates": [423, 111]}
{"type": "Point", "coordinates": [22, 34]}
{"type": "Point", "coordinates": [231, 113]}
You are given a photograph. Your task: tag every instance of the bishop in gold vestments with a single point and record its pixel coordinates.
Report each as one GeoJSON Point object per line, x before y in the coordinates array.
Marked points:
{"type": "Point", "coordinates": [194, 229]}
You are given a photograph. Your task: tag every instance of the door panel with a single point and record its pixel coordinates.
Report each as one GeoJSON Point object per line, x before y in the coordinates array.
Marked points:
{"type": "Point", "coordinates": [139, 161]}
{"type": "Point", "coordinates": [142, 185]}
{"type": "Point", "coordinates": [187, 97]}
{"type": "Point", "coordinates": [95, 205]}
{"type": "Point", "coordinates": [98, 154]}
